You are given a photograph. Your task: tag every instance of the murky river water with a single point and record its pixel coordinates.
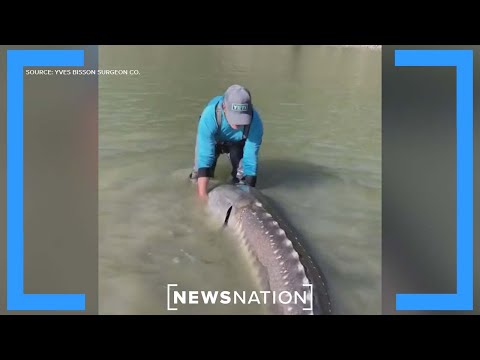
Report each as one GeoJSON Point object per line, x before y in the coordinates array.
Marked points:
{"type": "Point", "coordinates": [320, 161]}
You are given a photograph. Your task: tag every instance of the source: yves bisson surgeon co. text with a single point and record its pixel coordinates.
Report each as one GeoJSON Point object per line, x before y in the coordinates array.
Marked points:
{"type": "Point", "coordinates": [50, 72]}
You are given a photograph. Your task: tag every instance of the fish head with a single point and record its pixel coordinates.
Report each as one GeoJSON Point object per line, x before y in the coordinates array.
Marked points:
{"type": "Point", "coordinates": [226, 201]}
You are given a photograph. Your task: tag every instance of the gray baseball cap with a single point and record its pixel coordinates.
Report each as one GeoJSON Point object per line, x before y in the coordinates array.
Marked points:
{"type": "Point", "coordinates": [238, 105]}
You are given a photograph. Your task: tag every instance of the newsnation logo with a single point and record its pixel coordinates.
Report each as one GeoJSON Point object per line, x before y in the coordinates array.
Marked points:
{"type": "Point", "coordinates": [224, 297]}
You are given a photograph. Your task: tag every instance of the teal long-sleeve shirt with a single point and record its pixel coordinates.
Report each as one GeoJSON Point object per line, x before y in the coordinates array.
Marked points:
{"type": "Point", "coordinates": [208, 135]}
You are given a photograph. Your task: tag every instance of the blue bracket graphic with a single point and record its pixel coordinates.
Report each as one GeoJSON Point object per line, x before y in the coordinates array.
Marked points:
{"type": "Point", "coordinates": [16, 297]}
{"type": "Point", "coordinates": [463, 61]}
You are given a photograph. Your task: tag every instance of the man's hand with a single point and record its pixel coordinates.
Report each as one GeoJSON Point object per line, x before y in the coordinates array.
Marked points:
{"type": "Point", "coordinates": [203, 198]}
{"type": "Point", "coordinates": [202, 184]}
{"type": "Point", "coordinates": [250, 180]}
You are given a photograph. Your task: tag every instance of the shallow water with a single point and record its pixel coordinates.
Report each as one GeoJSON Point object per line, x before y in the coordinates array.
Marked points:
{"type": "Point", "coordinates": [320, 161]}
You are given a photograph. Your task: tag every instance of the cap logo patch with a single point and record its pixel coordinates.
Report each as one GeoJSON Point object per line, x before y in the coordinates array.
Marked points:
{"type": "Point", "coordinates": [240, 107]}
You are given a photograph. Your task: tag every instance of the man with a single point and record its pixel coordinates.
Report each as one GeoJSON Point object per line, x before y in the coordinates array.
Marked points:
{"type": "Point", "coordinates": [228, 125]}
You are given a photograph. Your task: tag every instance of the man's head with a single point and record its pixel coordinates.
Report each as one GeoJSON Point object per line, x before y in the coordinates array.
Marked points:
{"type": "Point", "coordinates": [237, 104]}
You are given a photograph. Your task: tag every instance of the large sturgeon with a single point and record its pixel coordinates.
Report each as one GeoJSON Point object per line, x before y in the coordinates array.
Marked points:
{"type": "Point", "coordinates": [282, 261]}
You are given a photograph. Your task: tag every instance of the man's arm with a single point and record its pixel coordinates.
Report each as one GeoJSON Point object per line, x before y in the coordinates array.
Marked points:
{"type": "Point", "coordinates": [207, 128]}
{"type": "Point", "coordinates": [251, 150]}
{"type": "Point", "coordinates": [202, 185]}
